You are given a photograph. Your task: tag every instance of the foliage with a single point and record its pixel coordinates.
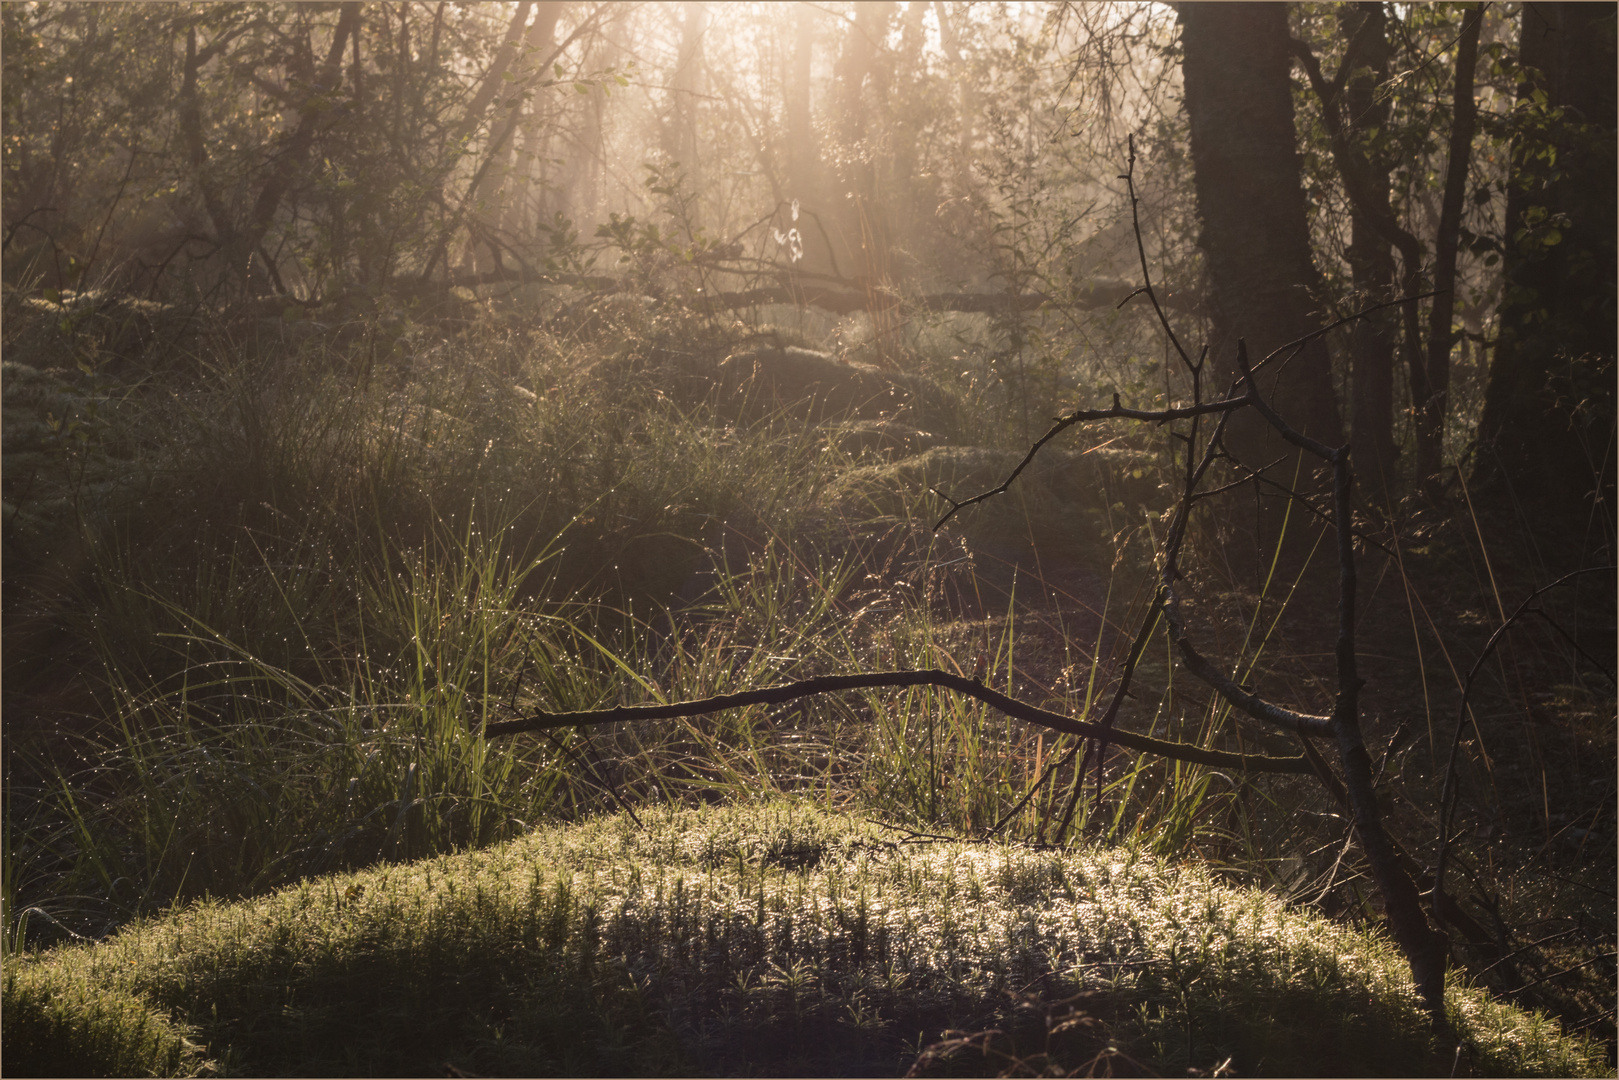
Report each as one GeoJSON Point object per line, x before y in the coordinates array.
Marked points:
{"type": "Point", "coordinates": [373, 569]}
{"type": "Point", "coordinates": [356, 396]}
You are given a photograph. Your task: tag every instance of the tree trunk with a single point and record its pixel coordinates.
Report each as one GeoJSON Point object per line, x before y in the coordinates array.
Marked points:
{"type": "Point", "coordinates": [906, 196]}
{"type": "Point", "coordinates": [680, 132]}
{"type": "Point", "coordinates": [1256, 241]}
{"type": "Point", "coordinates": [505, 186]}
{"type": "Point", "coordinates": [967, 105]}
{"type": "Point", "coordinates": [805, 182]}
{"type": "Point", "coordinates": [1373, 340]}
{"type": "Point", "coordinates": [862, 223]}
{"type": "Point", "coordinates": [493, 187]}
{"type": "Point", "coordinates": [494, 80]}
{"type": "Point", "coordinates": [803, 149]}
{"type": "Point", "coordinates": [1545, 441]}
{"type": "Point", "coordinates": [573, 161]}
{"type": "Point", "coordinates": [518, 203]}
{"type": "Point", "coordinates": [864, 80]}
{"type": "Point", "coordinates": [1431, 412]}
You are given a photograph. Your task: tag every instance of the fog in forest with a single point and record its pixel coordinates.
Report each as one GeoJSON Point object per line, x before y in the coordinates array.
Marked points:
{"type": "Point", "coordinates": [1061, 430]}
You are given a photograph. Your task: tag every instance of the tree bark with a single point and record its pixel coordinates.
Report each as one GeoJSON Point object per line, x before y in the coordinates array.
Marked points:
{"type": "Point", "coordinates": [1431, 411]}
{"type": "Point", "coordinates": [1255, 238]}
{"type": "Point", "coordinates": [1545, 440]}
{"type": "Point", "coordinates": [1373, 340]}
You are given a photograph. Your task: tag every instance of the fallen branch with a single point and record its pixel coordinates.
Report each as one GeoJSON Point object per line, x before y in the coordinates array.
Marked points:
{"type": "Point", "coordinates": [838, 295]}
{"type": "Point", "coordinates": [826, 684]}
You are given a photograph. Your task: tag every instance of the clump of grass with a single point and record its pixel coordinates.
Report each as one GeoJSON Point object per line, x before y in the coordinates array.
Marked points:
{"type": "Point", "coordinates": [768, 936]}
{"type": "Point", "coordinates": [337, 724]}
{"type": "Point", "coordinates": [353, 743]}
{"type": "Point", "coordinates": [313, 584]}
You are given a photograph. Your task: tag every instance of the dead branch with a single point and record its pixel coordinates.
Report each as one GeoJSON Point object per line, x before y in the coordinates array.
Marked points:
{"type": "Point", "coordinates": [1464, 714]}
{"type": "Point", "coordinates": [1081, 416]}
{"type": "Point", "coordinates": [1424, 947]}
{"type": "Point", "coordinates": [826, 684]}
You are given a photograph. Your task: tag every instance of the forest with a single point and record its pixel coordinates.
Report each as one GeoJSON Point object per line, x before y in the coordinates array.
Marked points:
{"type": "Point", "coordinates": [877, 538]}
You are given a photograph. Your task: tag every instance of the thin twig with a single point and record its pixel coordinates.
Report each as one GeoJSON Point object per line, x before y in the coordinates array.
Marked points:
{"type": "Point", "coordinates": [1526, 948]}
{"type": "Point", "coordinates": [1050, 771]}
{"type": "Point", "coordinates": [1081, 416]}
{"type": "Point", "coordinates": [1146, 276]}
{"type": "Point", "coordinates": [1560, 974]}
{"type": "Point", "coordinates": [1448, 791]}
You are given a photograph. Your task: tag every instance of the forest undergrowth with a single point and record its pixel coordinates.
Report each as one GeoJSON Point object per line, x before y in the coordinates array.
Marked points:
{"type": "Point", "coordinates": [260, 600]}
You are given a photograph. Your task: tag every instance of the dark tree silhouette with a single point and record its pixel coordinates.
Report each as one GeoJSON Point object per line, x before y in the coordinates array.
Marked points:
{"type": "Point", "coordinates": [1255, 235]}
{"type": "Point", "coordinates": [1546, 435]}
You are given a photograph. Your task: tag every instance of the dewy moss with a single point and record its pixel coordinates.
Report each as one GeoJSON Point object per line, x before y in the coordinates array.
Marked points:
{"type": "Point", "coordinates": [771, 936]}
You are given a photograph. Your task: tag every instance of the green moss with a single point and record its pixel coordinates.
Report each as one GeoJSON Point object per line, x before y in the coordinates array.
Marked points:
{"type": "Point", "coordinates": [55, 1025]}
{"type": "Point", "coordinates": [769, 937]}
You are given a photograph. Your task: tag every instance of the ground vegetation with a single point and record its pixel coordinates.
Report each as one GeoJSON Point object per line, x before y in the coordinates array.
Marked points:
{"type": "Point", "coordinates": [981, 436]}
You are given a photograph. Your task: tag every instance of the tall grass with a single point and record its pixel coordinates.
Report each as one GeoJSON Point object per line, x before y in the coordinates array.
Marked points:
{"type": "Point", "coordinates": [321, 575]}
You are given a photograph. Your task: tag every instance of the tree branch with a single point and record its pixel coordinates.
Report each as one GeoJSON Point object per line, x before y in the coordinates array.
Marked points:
{"type": "Point", "coordinates": [1081, 416]}
{"type": "Point", "coordinates": [1315, 727]}
{"type": "Point", "coordinates": [825, 684]}
{"type": "Point", "coordinates": [1448, 791]}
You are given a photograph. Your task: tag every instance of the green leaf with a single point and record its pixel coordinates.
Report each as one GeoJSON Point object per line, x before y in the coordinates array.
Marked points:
{"type": "Point", "coordinates": [1551, 238]}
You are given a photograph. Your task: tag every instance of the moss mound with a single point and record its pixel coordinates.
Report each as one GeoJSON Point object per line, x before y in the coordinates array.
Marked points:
{"type": "Point", "coordinates": [773, 938]}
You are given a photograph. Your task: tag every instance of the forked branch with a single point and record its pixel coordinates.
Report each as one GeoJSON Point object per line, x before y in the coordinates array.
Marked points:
{"type": "Point", "coordinates": [1424, 947]}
